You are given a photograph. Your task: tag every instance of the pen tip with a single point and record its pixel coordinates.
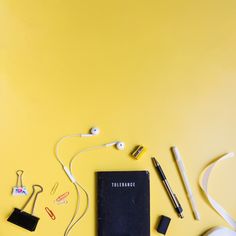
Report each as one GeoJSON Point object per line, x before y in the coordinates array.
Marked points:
{"type": "Point", "coordinates": [154, 161]}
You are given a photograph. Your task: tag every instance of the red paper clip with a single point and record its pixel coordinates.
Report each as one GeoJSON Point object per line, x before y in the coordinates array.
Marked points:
{"type": "Point", "coordinates": [62, 197]}
{"type": "Point", "coordinates": [50, 213]}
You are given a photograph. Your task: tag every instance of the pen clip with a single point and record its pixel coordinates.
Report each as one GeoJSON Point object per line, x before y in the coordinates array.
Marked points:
{"type": "Point", "coordinates": [177, 200]}
{"type": "Point", "coordinates": [179, 207]}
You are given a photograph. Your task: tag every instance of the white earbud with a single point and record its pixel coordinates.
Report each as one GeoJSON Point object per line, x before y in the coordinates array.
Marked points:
{"type": "Point", "coordinates": [119, 145]}
{"type": "Point", "coordinates": [95, 131]}
{"type": "Point", "coordinates": [92, 132]}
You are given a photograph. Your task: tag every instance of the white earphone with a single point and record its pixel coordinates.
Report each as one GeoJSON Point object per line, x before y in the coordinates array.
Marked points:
{"type": "Point", "coordinates": [119, 145]}
{"type": "Point", "coordinates": [93, 132]}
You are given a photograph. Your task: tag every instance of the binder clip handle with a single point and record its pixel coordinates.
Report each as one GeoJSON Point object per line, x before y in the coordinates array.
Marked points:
{"type": "Point", "coordinates": [19, 174]}
{"type": "Point", "coordinates": [35, 198]}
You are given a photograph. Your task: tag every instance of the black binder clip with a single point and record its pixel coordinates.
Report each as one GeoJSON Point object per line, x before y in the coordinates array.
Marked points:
{"type": "Point", "coordinates": [24, 219]}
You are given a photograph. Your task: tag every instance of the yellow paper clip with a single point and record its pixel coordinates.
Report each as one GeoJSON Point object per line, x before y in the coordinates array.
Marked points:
{"type": "Point", "coordinates": [54, 189]}
{"type": "Point", "coordinates": [138, 152]}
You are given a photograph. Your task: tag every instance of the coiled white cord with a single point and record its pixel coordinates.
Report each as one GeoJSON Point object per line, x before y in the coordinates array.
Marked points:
{"type": "Point", "coordinates": [77, 185]}
{"type": "Point", "coordinates": [217, 231]}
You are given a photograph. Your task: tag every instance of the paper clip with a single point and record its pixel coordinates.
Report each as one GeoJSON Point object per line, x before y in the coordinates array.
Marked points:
{"type": "Point", "coordinates": [50, 213]}
{"type": "Point", "coordinates": [61, 202]}
{"type": "Point", "coordinates": [62, 197]}
{"type": "Point", "coordinates": [54, 189]}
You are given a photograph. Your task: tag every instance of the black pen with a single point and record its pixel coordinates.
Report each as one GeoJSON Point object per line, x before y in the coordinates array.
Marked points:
{"type": "Point", "coordinates": [171, 194]}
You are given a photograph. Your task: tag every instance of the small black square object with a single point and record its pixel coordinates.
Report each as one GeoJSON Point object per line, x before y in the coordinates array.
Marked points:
{"type": "Point", "coordinates": [163, 224]}
{"type": "Point", "coordinates": [23, 219]}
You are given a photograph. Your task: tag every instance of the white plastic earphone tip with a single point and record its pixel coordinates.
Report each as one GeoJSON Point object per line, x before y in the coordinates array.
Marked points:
{"type": "Point", "coordinates": [231, 154]}
{"type": "Point", "coordinates": [95, 131]}
{"type": "Point", "coordinates": [120, 145]}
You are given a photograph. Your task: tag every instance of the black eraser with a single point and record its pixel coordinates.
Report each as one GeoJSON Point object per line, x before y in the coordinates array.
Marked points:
{"type": "Point", "coordinates": [163, 224]}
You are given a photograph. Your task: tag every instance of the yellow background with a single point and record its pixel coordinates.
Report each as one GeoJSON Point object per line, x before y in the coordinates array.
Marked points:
{"type": "Point", "coordinates": [146, 72]}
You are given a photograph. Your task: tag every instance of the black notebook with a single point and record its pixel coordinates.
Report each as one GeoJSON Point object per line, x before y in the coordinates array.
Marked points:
{"type": "Point", "coordinates": [123, 203]}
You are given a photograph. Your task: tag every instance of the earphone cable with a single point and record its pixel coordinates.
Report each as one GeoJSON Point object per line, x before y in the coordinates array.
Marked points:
{"type": "Point", "coordinates": [57, 146]}
{"type": "Point", "coordinates": [73, 224]}
{"type": "Point", "coordinates": [77, 185]}
{"type": "Point", "coordinates": [82, 151]}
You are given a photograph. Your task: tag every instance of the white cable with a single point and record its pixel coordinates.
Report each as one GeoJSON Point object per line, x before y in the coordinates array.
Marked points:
{"type": "Point", "coordinates": [59, 143]}
{"type": "Point", "coordinates": [76, 184]}
{"type": "Point", "coordinates": [82, 151]}
{"type": "Point", "coordinates": [72, 222]}
{"type": "Point", "coordinates": [73, 180]}
{"type": "Point", "coordinates": [75, 212]}
{"type": "Point", "coordinates": [217, 231]}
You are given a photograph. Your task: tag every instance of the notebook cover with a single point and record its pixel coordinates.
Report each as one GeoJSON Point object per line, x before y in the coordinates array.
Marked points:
{"type": "Point", "coordinates": [123, 203]}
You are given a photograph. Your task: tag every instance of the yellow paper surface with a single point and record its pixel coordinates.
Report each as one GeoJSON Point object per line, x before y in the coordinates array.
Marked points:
{"type": "Point", "coordinates": [154, 73]}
